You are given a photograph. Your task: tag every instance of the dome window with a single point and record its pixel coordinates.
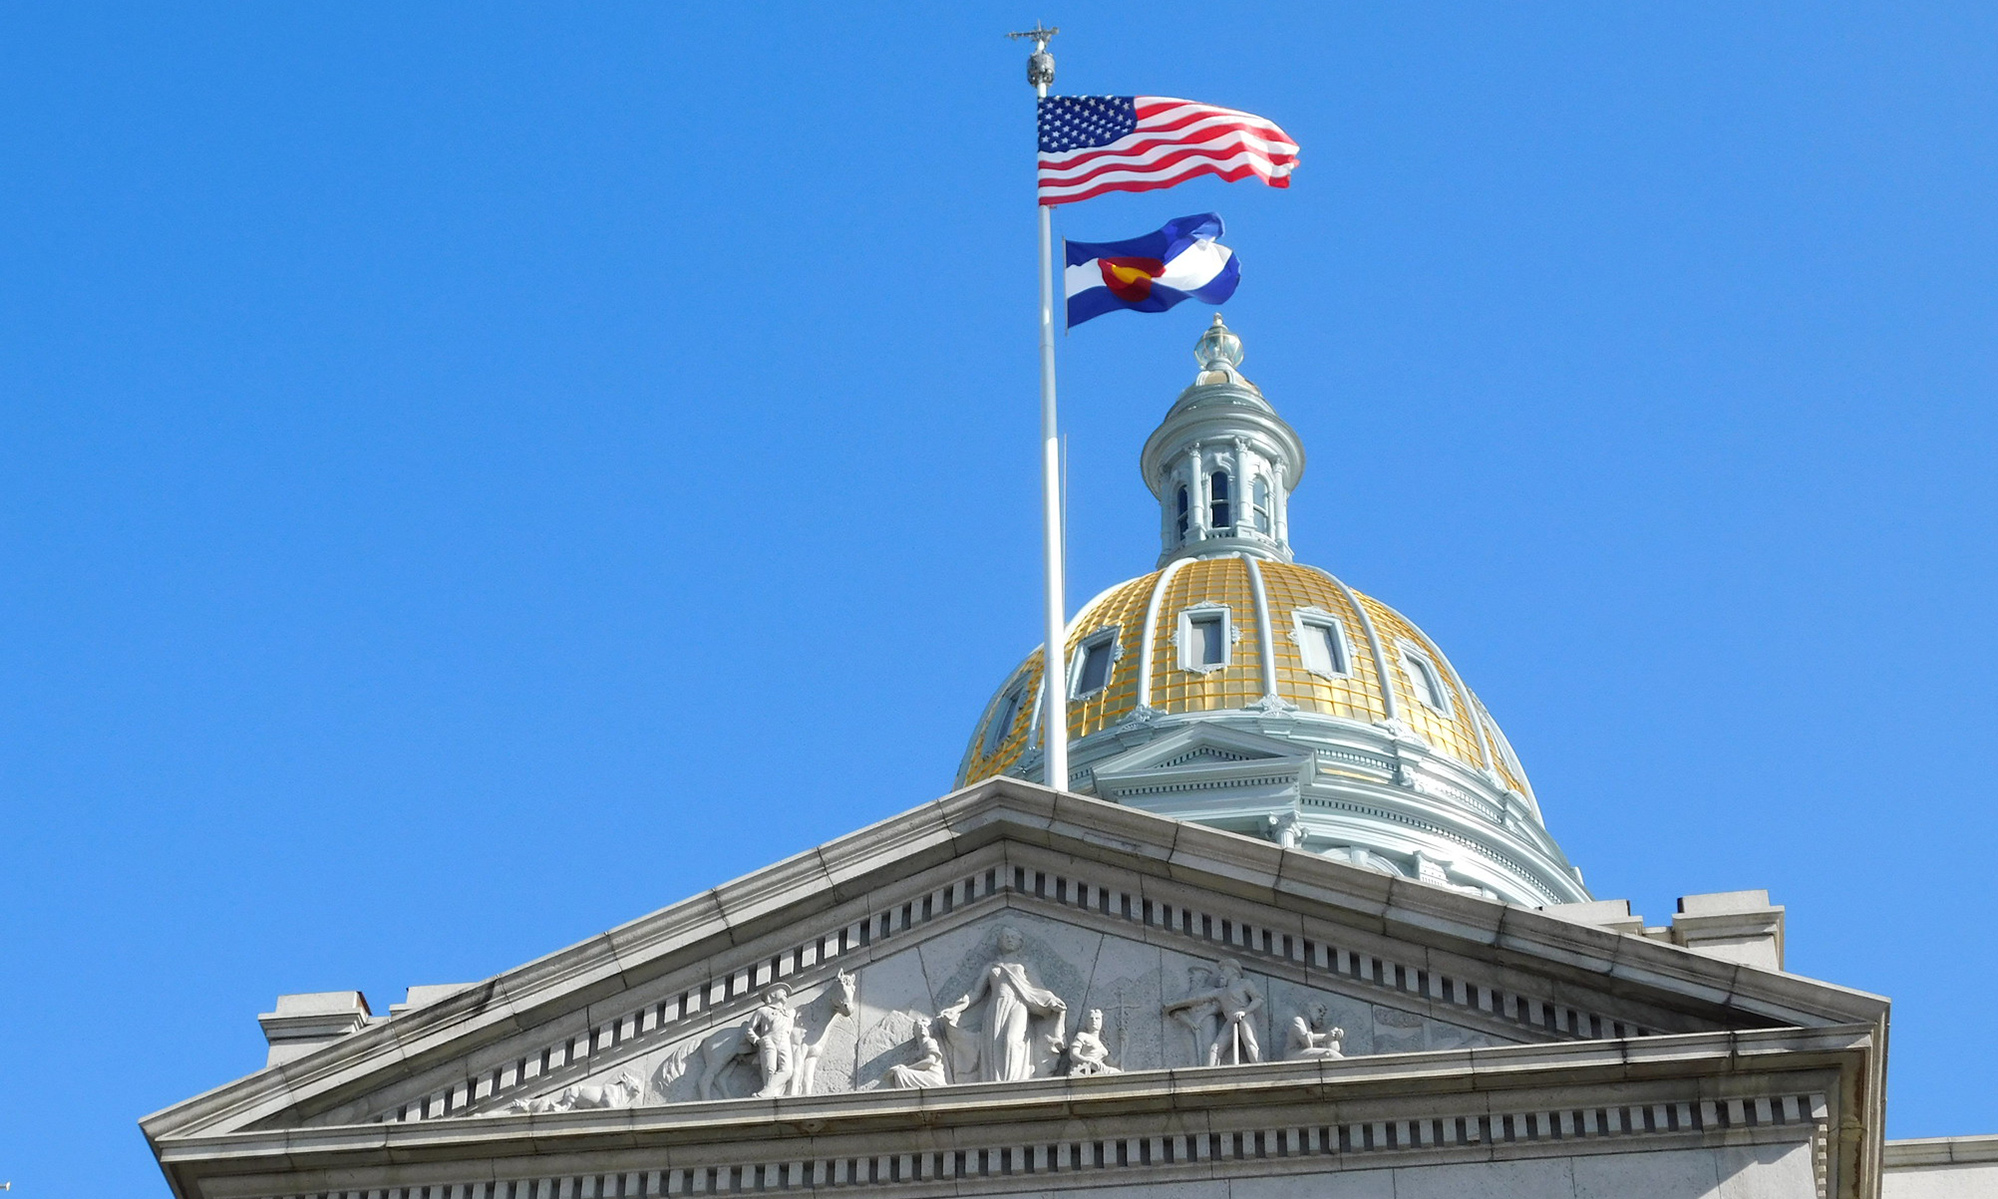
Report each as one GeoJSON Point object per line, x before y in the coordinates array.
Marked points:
{"type": "Point", "coordinates": [1093, 662]}
{"type": "Point", "coordinates": [1428, 683]}
{"type": "Point", "coordinates": [1206, 637]}
{"type": "Point", "coordinates": [1182, 512]}
{"type": "Point", "coordinates": [1259, 504]}
{"type": "Point", "coordinates": [1321, 641]}
{"type": "Point", "coordinates": [1004, 713]}
{"type": "Point", "coordinates": [1217, 494]}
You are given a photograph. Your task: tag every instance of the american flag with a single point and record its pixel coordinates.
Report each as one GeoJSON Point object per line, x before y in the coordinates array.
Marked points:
{"type": "Point", "coordinates": [1096, 144]}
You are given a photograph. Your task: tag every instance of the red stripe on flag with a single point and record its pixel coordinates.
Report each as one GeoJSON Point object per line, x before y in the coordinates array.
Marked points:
{"type": "Point", "coordinates": [1142, 183]}
{"type": "Point", "coordinates": [1138, 145]}
{"type": "Point", "coordinates": [1163, 164]}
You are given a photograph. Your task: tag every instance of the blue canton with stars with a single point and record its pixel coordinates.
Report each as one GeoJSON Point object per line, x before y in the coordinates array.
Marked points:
{"type": "Point", "coordinates": [1079, 122]}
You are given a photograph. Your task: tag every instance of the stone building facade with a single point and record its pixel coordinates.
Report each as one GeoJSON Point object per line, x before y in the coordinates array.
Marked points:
{"type": "Point", "coordinates": [1299, 930]}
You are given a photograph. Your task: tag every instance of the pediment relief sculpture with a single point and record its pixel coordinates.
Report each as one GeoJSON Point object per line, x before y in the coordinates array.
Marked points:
{"type": "Point", "coordinates": [1220, 1013]}
{"type": "Point", "coordinates": [1004, 990]}
{"type": "Point", "coordinates": [988, 1031]}
{"type": "Point", "coordinates": [776, 1039]}
{"type": "Point", "coordinates": [926, 1070]}
{"type": "Point", "coordinates": [623, 1091]}
{"type": "Point", "coordinates": [1085, 1053]}
{"type": "Point", "coordinates": [1014, 997]}
{"type": "Point", "coordinates": [1309, 1038]}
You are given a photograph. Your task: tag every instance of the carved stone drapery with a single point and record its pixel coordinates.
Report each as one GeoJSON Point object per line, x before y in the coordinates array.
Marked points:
{"type": "Point", "coordinates": [997, 1044]}
{"type": "Point", "coordinates": [927, 1070]}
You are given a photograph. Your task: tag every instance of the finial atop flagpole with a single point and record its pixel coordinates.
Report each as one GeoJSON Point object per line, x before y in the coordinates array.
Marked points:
{"type": "Point", "coordinates": [1040, 64]}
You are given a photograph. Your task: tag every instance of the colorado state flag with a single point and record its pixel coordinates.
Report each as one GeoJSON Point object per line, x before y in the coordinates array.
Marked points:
{"type": "Point", "coordinates": [1150, 273]}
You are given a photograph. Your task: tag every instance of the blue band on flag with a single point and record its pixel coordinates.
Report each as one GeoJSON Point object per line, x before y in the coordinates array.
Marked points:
{"type": "Point", "coordinates": [1177, 235]}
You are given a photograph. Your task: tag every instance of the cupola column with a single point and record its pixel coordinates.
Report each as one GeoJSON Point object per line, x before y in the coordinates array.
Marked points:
{"type": "Point", "coordinates": [1196, 494]}
{"type": "Point", "coordinates": [1280, 503]}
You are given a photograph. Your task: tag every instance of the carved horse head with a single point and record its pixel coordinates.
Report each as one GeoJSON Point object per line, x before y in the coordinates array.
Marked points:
{"type": "Point", "coordinates": [842, 993]}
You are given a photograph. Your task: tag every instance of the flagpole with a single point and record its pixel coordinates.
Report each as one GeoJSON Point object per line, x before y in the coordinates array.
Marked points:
{"type": "Point", "coordinates": [1054, 675]}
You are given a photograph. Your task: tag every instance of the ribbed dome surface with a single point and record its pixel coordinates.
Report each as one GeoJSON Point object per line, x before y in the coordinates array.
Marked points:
{"type": "Point", "coordinates": [1270, 607]}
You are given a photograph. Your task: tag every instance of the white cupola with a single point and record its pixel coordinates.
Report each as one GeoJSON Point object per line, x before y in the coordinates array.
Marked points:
{"type": "Point", "coordinates": [1222, 463]}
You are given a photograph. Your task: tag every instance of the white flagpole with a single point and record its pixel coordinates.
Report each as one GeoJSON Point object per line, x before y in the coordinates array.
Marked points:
{"type": "Point", "coordinates": [1054, 675]}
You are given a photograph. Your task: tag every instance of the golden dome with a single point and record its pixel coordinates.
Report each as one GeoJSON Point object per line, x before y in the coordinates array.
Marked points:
{"type": "Point", "coordinates": [1270, 609]}
{"type": "Point", "coordinates": [1233, 687]}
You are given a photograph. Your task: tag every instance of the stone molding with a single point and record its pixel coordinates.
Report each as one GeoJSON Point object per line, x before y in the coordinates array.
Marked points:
{"type": "Point", "coordinates": [1941, 1151]}
{"type": "Point", "coordinates": [1363, 782]}
{"type": "Point", "coordinates": [1305, 1117]}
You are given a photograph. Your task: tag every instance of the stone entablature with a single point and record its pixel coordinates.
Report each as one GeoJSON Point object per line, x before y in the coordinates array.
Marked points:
{"type": "Point", "coordinates": [1765, 1102]}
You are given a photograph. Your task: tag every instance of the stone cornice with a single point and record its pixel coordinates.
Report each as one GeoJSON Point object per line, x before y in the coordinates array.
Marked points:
{"type": "Point", "coordinates": [1713, 1067]}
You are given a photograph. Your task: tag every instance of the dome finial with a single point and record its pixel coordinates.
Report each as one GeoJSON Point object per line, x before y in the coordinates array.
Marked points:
{"type": "Point", "coordinates": [1219, 349]}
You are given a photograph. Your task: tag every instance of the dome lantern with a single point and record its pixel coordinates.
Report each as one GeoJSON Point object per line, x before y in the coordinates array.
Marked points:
{"type": "Point", "coordinates": [1222, 463]}
{"type": "Point", "coordinates": [1219, 349]}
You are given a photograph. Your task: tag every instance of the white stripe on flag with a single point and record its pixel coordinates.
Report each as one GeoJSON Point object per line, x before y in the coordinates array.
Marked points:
{"type": "Point", "coordinates": [1191, 269]}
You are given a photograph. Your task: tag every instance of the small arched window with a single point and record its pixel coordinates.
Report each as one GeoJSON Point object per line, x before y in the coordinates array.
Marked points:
{"type": "Point", "coordinates": [1003, 715]}
{"type": "Point", "coordinates": [1259, 504]}
{"type": "Point", "coordinates": [1182, 512]}
{"type": "Point", "coordinates": [1217, 494]}
{"type": "Point", "coordinates": [1428, 683]}
{"type": "Point", "coordinates": [1092, 665]}
{"type": "Point", "coordinates": [1206, 637]}
{"type": "Point", "coordinates": [1321, 640]}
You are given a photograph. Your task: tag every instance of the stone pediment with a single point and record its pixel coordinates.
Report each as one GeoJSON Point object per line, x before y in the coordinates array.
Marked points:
{"type": "Point", "coordinates": [968, 942]}
{"type": "Point", "coordinates": [1183, 765]}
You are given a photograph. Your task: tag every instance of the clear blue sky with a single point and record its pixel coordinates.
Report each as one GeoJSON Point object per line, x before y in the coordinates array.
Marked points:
{"type": "Point", "coordinates": [473, 476]}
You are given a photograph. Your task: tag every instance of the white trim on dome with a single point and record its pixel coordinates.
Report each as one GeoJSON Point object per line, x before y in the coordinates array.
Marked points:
{"type": "Point", "coordinates": [1388, 704]}
{"type": "Point", "coordinates": [1152, 628]}
{"type": "Point", "coordinates": [1035, 733]}
{"type": "Point", "coordinates": [1463, 693]}
{"type": "Point", "coordinates": [996, 730]}
{"type": "Point", "coordinates": [1265, 637]}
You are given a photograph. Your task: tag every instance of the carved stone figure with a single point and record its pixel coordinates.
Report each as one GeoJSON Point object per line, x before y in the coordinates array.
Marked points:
{"type": "Point", "coordinates": [997, 1045]}
{"type": "Point", "coordinates": [768, 1035]}
{"type": "Point", "coordinates": [1085, 1053]}
{"type": "Point", "coordinates": [928, 1068]}
{"type": "Point", "coordinates": [623, 1091]}
{"type": "Point", "coordinates": [786, 1059]}
{"type": "Point", "coordinates": [1309, 1038]}
{"type": "Point", "coordinates": [807, 1051]}
{"type": "Point", "coordinates": [1220, 1015]}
